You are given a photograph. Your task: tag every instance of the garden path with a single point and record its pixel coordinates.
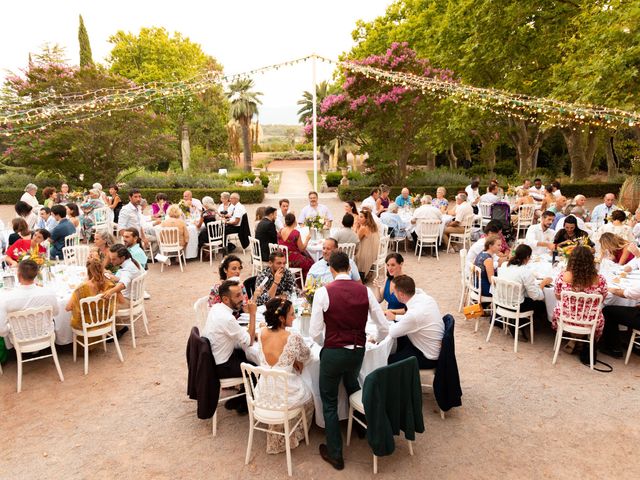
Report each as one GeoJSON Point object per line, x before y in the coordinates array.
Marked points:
{"type": "Point", "coordinates": [295, 181]}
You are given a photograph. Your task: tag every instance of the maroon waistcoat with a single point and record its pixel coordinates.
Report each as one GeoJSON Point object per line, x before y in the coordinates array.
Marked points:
{"type": "Point", "coordinates": [346, 317]}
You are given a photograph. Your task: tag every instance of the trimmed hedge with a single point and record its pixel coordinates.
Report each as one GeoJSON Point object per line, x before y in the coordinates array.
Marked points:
{"type": "Point", "coordinates": [247, 194]}
{"type": "Point", "coordinates": [569, 190]}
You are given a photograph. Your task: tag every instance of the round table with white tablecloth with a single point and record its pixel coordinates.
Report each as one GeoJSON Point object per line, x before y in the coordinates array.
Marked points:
{"type": "Point", "coordinates": [314, 247]}
{"type": "Point", "coordinates": [191, 251]}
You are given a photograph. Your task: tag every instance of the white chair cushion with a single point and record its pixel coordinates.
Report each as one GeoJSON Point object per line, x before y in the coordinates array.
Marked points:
{"type": "Point", "coordinates": [355, 400]}
{"type": "Point", "coordinates": [230, 382]}
{"type": "Point", "coordinates": [273, 416]}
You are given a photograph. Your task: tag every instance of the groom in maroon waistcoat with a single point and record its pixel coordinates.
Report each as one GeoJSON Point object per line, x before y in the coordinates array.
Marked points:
{"type": "Point", "coordinates": [340, 310]}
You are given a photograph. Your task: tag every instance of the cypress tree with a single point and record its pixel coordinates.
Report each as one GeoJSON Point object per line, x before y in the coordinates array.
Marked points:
{"type": "Point", "coordinates": [85, 47]}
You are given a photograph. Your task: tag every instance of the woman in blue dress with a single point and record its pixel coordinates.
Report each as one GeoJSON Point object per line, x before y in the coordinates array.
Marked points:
{"type": "Point", "coordinates": [393, 262]}
{"type": "Point", "coordinates": [485, 261]}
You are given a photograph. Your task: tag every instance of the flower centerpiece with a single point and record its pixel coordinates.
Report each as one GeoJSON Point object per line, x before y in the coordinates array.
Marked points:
{"type": "Point", "coordinates": [40, 259]}
{"type": "Point", "coordinates": [316, 226]}
{"type": "Point", "coordinates": [416, 201]}
{"type": "Point", "coordinates": [310, 289]}
{"type": "Point", "coordinates": [565, 249]}
{"type": "Point", "coordinates": [76, 196]}
{"type": "Point", "coordinates": [186, 209]}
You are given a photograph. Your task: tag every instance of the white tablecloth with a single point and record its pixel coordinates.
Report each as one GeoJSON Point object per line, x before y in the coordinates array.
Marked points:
{"type": "Point", "coordinates": [314, 247]}
{"type": "Point", "coordinates": [192, 246]}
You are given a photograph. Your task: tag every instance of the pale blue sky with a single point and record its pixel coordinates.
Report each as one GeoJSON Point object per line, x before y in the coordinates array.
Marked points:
{"type": "Point", "coordinates": [241, 35]}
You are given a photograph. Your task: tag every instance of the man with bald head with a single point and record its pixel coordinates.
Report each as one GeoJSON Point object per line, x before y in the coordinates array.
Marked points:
{"type": "Point", "coordinates": [320, 270]}
{"type": "Point", "coordinates": [187, 196]}
{"type": "Point", "coordinates": [403, 200]}
{"type": "Point", "coordinates": [558, 209]}
{"type": "Point", "coordinates": [604, 210]}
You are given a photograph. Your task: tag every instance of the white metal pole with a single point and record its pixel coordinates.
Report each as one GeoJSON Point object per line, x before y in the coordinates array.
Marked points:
{"type": "Point", "coordinates": [314, 123]}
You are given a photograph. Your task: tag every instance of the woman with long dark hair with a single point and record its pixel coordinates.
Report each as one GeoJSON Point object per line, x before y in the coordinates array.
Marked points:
{"type": "Point", "coordinates": [394, 263]}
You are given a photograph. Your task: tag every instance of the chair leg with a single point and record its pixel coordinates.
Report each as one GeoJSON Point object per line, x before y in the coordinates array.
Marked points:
{"type": "Point", "coordinates": [435, 246]}
{"type": "Point", "coordinates": [133, 331]}
{"type": "Point", "coordinates": [633, 337]}
{"type": "Point", "coordinates": [305, 426]}
{"type": "Point", "coordinates": [442, 414]}
{"type": "Point", "coordinates": [19, 358]}
{"type": "Point", "coordinates": [211, 256]}
{"type": "Point", "coordinates": [557, 345]}
{"type": "Point", "coordinates": [591, 342]}
{"type": "Point", "coordinates": [214, 424]}
{"type": "Point", "coordinates": [249, 442]}
{"type": "Point", "coordinates": [531, 328]}
{"type": "Point", "coordinates": [54, 353]}
{"type": "Point", "coordinates": [116, 343]}
{"type": "Point", "coordinates": [144, 321]}
{"type": "Point", "coordinates": [410, 447]}
{"type": "Point", "coordinates": [75, 348]}
{"type": "Point", "coordinates": [349, 425]}
{"type": "Point", "coordinates": [493, 321]}
{"type": "Point", "coordinates": [104, 342]}
{"type": "Point", "coordinates": [375, 465]}
{"type": "Point", "coordinates": [515, 335]}
{"type": "Point", "coordinates": [287, 443]}
{"type": "Point", "coordinates": [86, 355]}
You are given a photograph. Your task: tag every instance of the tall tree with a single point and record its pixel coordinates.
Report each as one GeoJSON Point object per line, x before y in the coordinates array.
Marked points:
{"type": "Point", "coordinates": [243, 106]}
{"type": "Point", "coordinates": [86, 59]}
{"type": "Point", "coordinates": [306, 102]}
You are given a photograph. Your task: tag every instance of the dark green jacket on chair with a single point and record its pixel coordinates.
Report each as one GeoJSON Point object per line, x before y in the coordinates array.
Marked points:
{"type": "Point", "coordinates": [392, 400]}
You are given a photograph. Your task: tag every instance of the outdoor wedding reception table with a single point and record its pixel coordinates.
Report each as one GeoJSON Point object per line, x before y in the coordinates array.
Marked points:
{"type": "Point", "coordinates": [314, 247]}
{"type": "Point", "coordinates": [191, 251]}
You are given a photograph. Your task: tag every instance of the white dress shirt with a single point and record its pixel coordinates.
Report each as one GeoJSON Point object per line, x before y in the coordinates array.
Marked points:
{"type": "Point", "coordinates": [22, 297]}
{"type": "Point", "coordinates": [463, 212]}
{"type": "Point", "coordinates": [422, 324]}
{"type": "Point", "coordinates": [537, 194]}
{"type": "Point", "coordinates": [321, 271]}
{"type": "Point", "coordinates": [427, 212]}
{"type": "Point", "coordinates": [600, 212]}
{"type": "Point", "coordinates": [535, 235]}
{"type": "Point", "coordinates": [489, 198]}
{"type": "Point", "coordinates": [130, 216]}
{"type": "Point", "coordinates": [369, 202]}
{"type": "Point", "coordinates": [238, 213]}
{"type": "Point", "coordinates": [309, 211]}
{"type": "Point", "coordinates": [476, 249]}
{"type": "Point", "coordinates": [472, 195]}
{"type": "Point", "coordinates": [279, 220]}
{"type": "Point", "coordinates": [321, 305]}
{"type": "Point", "coordinates": [524, 276]}
{"type": "Point", "coordinates": [127, 272]}
{"type": "Point", "coordinates": [224, 333]}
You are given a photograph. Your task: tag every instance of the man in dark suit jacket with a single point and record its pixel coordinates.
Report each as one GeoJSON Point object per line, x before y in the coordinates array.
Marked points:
{"type": "Point", "coordinates": [266, 232]}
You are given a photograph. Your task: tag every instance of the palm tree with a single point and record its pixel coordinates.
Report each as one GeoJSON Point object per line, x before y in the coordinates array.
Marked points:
{"type": "Point", "coordinates": [244, 105]}
{"type": "Point", "coordinates": [306, 103]}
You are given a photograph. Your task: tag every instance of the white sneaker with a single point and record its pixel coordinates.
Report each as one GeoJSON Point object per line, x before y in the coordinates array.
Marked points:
{"type": "Point", "coordinates": [147, 296]}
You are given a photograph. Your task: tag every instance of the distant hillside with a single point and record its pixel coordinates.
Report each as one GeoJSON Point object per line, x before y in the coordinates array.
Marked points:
{"type": "Point", "coordinates": [280, 132]}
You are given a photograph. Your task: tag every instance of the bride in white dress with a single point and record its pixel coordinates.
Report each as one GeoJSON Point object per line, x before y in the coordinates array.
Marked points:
{"type": "Point", "coordinates": [282, 350]}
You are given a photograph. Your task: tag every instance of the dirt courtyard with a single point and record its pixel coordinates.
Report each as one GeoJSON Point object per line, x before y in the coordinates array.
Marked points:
{"type": "Point", "coordinates": [521, 418]}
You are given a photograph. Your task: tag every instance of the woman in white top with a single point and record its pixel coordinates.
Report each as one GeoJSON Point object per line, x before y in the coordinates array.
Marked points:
{"type": "Point", "coordinates": [29, 195]}
{"type": "Point", "coordinates": [516, 271]}
{"type": "Point", "coordinates": [280, 349]}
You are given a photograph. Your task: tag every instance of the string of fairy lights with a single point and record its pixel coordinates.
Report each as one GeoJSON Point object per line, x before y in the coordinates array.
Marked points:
{"type": "Point", "coordinates": [19, 115]}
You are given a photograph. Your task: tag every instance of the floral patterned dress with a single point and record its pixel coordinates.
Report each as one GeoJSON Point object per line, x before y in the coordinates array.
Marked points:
{"type": "Point", "coordinates": [561, 285]}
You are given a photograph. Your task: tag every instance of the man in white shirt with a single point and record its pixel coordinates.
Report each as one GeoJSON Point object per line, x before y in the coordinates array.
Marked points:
{"type": "Point", "coordinates": [130, 216]}
{"type": "Point", "coordinates": [314, 208]}
{"type": "Point", "coordinates": [464, 213]}
{"type": "Point", "coordinates": [492, 194]}
{"type": "Point", "coordinates": [46, 220]}
{"type": "Point", "coordinates": [371, 200]}
{"type": "Point", "coordinates": [187, 196]}
{"type": "Point", "coordinates": [234, 223]}
{"type": "Point", "coordinates": [473, 191]}
{"type": "Point", "coordinates": [537, 191]}
{"type": "Point", "coordinates": [602, 211]}
{"type": "Point", "coordinates": [426, 211]}
{"type": "Point", "coordinates": [29, 195]}
{"type": "Point", "coordinates": [282, 211]}
{"type": "Point", "coordinates": [420, 330]}
{"type": "Point", "coordinates": [320, 270]}
{"type": "Point", "coordinates": [25, 295]}
{"type": "Point", "coordinates": [228, 339]}
{"type": "Point", "coordinates": [120, 256]}
{"type": "Point", "coordinates": [540, 236]}
{"type": "Point", "coordinates": [526, 185]}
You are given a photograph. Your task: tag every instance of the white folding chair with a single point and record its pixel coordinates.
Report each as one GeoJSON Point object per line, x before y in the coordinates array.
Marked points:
{"type": "Point", "coordinates": [348, 248]}
{"type": "Point", "coordinates": [525, 218]}
{"type": "Point", "coordinates": [485, 212]}
{"type": "Point", "coordinates": [634, 340]}
{"type": "Point", "coordinates": [32, 330]}
{"type": "Point", "coordinates": [268, 403]}
{"type": "Point", "coordinates": [169, 244]}
{"type": "Point", "coordinates": [201, 308]}
{"type": "Point", "coordinates": [427, 377]}
{"type": "Point", "coordinates": [428, 235]}
{"type": "Point", "coordinates": [383, 250]}
{"type": "Point", "coordinates": [576, 309]}
{"type": "Point", "coordinates": [475, 292]}
{"type": "Point", "coordinates": [98, 321]}
{"type": "Point", "coordinates": [102, 222]}
{"type": "Point", "coordinates": [215, 236]}
{"type": "Point", "coordinates": [76, 255]}
{"type": "Point", "coordinates": [296, 271]}
{"type": "Point", "coordinates": [135, 311]}
{"type": "Point", "coordinates": [464, 278]}
{"type": "Point", "coordinates": [506, 309]}
{"type": "Point", "coordinates": [257, 265]}
{"type": "Point", "coordinates": [384, 229]}
{"type": "Point", "coordinates": [464, 237]}
{"type": "Point", "coordinates": [72, 240]}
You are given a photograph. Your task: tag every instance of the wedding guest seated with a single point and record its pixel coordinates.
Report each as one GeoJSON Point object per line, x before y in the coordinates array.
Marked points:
{"type": "Point", "coordinates": [615, 248]}
{"type": "Point", "coordinates": [350, 208]}
{"type": "Point", "coordinates": [426, 211]}
{"type": "Point", "coordinates": [320, 270]}
{"type": "Point", "coordinates": [160, 206]}
{"type": "Point", "coordinates": [259, 216]}
{"type": "Point", "coordinates": [556, 188]}
{"type": "Point", "coordinates": [315, 209]}
{"type": "Point", "coordinates": [196, 204]}
{"type": "Point", "coordinates": [225, 209]}
{"type": "Point", "coordinates": [473, 193]}
{"type": "Point", "coordinates": [230, 269]}
{"type": "Point", "coordinates": [581, 275]}
{"type": "Point", "coordinates": [382, 204]}
{"type": "Point", "coordinates": [209, 214]}
{"type": "Point", "coordinates": [103, 241]}
{"type": "Point", "coordinates": [486, 261]}
{"type": "Point", "coordinates": [393, 262]}
{"type": "Point", "coordinates": [26, 294]}
{"type": "Point", "coordinates": [537, 190]}
{"type": "Point", "coordinates": [441, 202]}
{"type": "Point", "coordinates": [524, 198]}
{"type": "Point", "coordinates": [283, 209]}
{"type": "Point", "coordinates": [579, 209]}
{"type": "Point", "coordinates": [391, 218]}
{"type": "Point", "coordinates": [291, 238]}
{"type": "Point", "coordinates": [174, 219]}
{"type": "Point", "coordinates": [49, 196]}
{"type": "Point", "coordinates": [494, 227]}
{"type": "Point", "coordinates": [372, 200]}
{"type": "Point", "coordinates": [516, 270]}
{"type": "Point", "coordinates": [548, 200]}
{"type": "Point", "coordinates": [131, 240]}
{"type": "Point", "coordinates": [346, 234]}
{"type": "Point", "coordinates": [604, 210]}
{"type": "Point", "coordinates": [464, 212]}
{"type": "Point", "coordinates": [280, 349]}
{"type": "Point", "coordinates": [25, 211]}
{"type": "Point", "coordinates": [238, 222]}
{"type": "Point", "coordinates": [29, 195]}
{"type": "Point", "coordinates": [368, 247]}
{"type": "Point", "coordinates": [559, 224]}
{"type": "Point", "coordinates": [73, 214]}
{"type": "Point", "coordinates": [492, 194]}
{"type": "Point", "coordinates": [266, 233]}
{"type": "Point", "coordinates": [63, 195]}
{"type": "Point", "coordinates": [558, 209]}
{"type": "Point", "coordinates": [25, 246]}
{"type": "Point", "coordinates": [617, 226]}
{"type": "Point", "coordinates": [20, 231]}
{"type": "Point", "coordinates": [280, 280]}
{"type": "Point", "coordinates": [404, 199]}
{"type": "Point", "coordinates": [570, 232]}
{"type": "Point", "coordinates": [419, 331]}
{"type": "Point", "coordinates": [96, 284]}
{"type": "Point", "coordinates": [128, 271]}
{"type": "Point", "coordinates": [46, 220]}
{"type": "Point", "coordinates": [540, 236]}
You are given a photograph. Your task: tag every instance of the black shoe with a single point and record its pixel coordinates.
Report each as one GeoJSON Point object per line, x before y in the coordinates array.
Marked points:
{"type": "Point", "coordinates": [122, 331]}
{"type": "Point", "coordinates": [233, 404]}
{"type": "Point", "coordinates": [611, 351]}
{"type": "Point", "coordinates": [324, 453]}
{"type": "Point", "coordinates": [242, 408]}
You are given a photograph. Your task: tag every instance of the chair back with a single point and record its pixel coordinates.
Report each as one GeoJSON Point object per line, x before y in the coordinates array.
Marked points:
{"type": "Point", "coordinates": [485, 210]}
{"type": "Point", "coordinates": [201, 308]}
{"type": "Point", "coordinates": [428, 230]}
{"type": "Point", "coordinates": [72, 240]}
{"type": "Point", "coordinates": [579, 311]}
{"type": "Point", "coordinates": [506, 296]}
{"type": "Point", "coordinates": [383, 249]}
{"type": "Point", "coordinates": [215, 231]}
{"type": "Point", "coordinates": [266, 388]}
{"type": "Point", "coordinates": [256, 254]}
{"type": "Point", "coordinates": [76, 255]}
{"type": "Point", "coordinates": [136, 292]}
{"type": "Point", "coordinates": [384, 229]}
{"type": "Point", "coordinates": [475, 283]}
{"type": "Point", "coordinates": [31, 327]}
{"type": "Point", "coordinates": [525, 214]}
{"type": "Point", "coordinates": [98, 314]}
{"type": "Point", "coordinates": [101, 216]}
{"type": "Point", "coordinates": [168, 238]}
{"type": "Point", "coordinates": [464, 272]}
{"type": "Point", "coordinates": [348, 248]}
